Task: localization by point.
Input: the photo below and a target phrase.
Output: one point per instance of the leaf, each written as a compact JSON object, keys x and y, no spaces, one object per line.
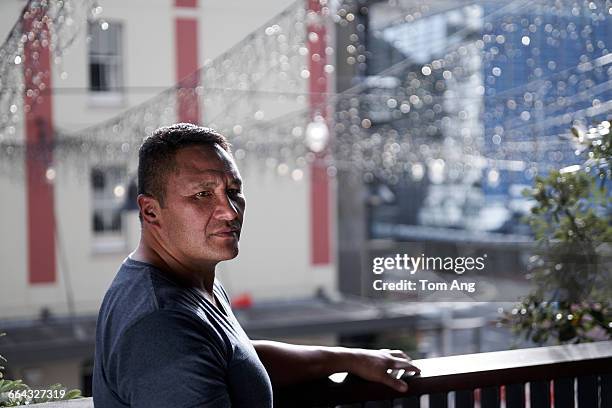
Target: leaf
{"x":72,"y":394}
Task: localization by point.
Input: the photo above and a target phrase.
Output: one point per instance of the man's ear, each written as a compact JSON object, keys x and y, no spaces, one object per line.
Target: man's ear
{"x":149,"y":208}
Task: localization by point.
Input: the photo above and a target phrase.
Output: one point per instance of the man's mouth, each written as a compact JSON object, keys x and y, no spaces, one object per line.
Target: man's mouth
{"x":228,"y":233}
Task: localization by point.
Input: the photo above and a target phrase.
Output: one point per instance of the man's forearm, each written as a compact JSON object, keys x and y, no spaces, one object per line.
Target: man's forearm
{"x":289,"y":363}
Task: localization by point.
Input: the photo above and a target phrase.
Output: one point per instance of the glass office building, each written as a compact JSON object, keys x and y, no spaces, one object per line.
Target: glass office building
{"x":482,"y":96}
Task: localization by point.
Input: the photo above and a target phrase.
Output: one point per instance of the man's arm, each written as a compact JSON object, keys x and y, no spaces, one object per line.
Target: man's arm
{"x":289,"y":363}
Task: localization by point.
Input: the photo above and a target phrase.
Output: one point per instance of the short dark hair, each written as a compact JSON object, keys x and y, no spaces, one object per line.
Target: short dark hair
{"x":156,"y":157}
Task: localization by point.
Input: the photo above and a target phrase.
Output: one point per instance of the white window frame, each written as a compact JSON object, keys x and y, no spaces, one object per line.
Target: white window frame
{"x":108,"y":241}
{"x":108,"y":52}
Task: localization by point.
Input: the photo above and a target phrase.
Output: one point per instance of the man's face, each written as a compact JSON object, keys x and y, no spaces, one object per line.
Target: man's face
{"x":204,"y":206}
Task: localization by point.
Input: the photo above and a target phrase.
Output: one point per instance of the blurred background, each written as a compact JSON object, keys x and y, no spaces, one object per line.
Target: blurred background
{"x":362,"y":129}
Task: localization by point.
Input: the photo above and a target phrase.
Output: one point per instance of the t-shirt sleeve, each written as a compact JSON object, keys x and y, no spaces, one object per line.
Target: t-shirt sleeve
{"x":169,"y":359}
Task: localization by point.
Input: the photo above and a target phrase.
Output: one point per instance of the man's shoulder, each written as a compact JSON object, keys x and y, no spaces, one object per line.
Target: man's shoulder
{"x":142,"y":293}
{"x":140,"y":288}
{"x":133,"y":295}
{"x":130,"y":295}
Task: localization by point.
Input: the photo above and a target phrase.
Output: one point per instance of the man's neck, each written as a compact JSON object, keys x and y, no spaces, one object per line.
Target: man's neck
{"x":202,"y":278}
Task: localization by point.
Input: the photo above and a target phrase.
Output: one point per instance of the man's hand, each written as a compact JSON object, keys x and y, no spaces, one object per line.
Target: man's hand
{"x":383,"y":366}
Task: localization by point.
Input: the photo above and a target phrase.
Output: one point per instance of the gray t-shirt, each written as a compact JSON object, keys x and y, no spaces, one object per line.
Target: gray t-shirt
{"x":160,"y":343}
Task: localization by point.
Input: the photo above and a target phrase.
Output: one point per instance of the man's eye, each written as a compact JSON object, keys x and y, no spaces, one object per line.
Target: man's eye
{"x":203,"y":194}
{"x":234,"y":191}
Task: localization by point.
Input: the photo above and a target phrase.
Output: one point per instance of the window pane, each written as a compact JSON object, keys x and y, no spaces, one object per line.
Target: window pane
{"x":105,"y":59}
{"x":95,"y":76}
{"x":108,"y":195}
{"x":97,"y":179}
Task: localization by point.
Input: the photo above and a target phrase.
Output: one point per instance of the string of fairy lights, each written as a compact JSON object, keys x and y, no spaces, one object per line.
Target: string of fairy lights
{"x":233,"y":89}
{"x":65,"y":21}
{"x":454,"y":90}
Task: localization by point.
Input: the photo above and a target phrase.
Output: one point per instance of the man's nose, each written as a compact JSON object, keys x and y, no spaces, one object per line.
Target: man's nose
{"x":226,"y":209}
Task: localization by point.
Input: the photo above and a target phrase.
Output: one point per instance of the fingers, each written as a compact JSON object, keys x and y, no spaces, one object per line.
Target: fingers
{"x":399,"y":353}
{"x":397,"y":363}
{"x":399,"y":360}
{"x":397,"y":374}
{"x":385,"y":366}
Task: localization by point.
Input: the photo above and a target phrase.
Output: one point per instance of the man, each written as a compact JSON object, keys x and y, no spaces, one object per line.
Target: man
{"x":166,"y":335}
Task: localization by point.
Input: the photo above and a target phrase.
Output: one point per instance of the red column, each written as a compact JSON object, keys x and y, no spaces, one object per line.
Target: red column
{"x":319,"y":183}
{"x":186,"y":35}
{"x":38,"y":109}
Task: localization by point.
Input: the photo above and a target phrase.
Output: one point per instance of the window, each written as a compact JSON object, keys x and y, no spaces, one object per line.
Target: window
{"x":105,"y":57}
{"x":108,"y":185}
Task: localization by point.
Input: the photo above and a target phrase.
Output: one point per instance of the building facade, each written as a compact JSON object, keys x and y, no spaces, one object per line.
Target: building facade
{"x":68,"y":215}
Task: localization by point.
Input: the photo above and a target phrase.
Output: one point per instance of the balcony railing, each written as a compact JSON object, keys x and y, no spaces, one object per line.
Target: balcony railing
{"x":560,"y":377}
{"x":570,"y":376}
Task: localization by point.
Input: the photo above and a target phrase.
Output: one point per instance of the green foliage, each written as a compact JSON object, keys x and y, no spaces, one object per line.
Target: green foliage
{"x":570,"y":268}
{"x":15,"y":392}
